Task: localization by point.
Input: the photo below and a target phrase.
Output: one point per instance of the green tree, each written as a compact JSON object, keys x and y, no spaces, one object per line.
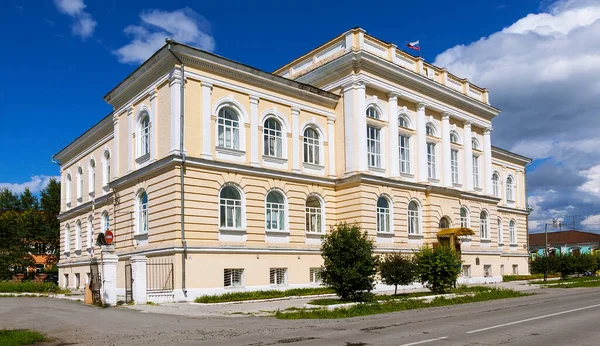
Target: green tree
{"x":438,"y":267}
{"x":398,"y":269}
{"x":538,"y":266}
{"x":349,"y":265}
{"x":15,"y":233}
{"x":50,"y":230}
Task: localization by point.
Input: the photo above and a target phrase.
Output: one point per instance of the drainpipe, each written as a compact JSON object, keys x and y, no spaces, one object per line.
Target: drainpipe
{"x":181,"y":166}
{"x":527,"y":208}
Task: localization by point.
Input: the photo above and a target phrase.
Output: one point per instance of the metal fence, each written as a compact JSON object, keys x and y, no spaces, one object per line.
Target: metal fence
{"x":159,"y":275}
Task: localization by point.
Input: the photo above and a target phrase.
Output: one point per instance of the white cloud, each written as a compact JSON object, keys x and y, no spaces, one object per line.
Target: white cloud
{"x":183,"y":25}
{"x":591,"y":222}
{"x":543,"y":71}
{"x":83,"y":22}
{"x":35,"y":185}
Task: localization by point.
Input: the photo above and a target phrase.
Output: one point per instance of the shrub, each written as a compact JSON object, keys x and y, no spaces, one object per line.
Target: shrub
{"x":397,"y":269}
{"x":349,"y":266}
{"x":437,"y":268}
{"x":28,"y":286}
{"x":538,"y":266}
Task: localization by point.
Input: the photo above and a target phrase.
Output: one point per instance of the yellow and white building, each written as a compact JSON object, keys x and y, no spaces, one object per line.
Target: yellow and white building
{"x":234,"y":174}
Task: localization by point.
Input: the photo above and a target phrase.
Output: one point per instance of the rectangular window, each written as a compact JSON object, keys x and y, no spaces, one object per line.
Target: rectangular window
{"x":77,"y":281}
{"x":229,"y":132}
{"x":311,"y":147}
{"x":278,"y":276}
{"x":315,"y":275}
{"x":272,"y":142}
{"x":431,"y":161}
{"x":66,"y":278}
{"x":454,"y":166}
{"x":475,"y":171}
{"x":502,"y":269}
{"x":231,"y":213}
{"x":515,"y":269}
{"x":404,"y":142}
{"x":487,"y":270}
{"x":233,"y":277}
{"x":466,"y":271}
{"x":374,"y":146}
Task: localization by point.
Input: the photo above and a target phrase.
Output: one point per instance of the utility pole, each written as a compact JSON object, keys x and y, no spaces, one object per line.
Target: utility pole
{"x":546,"y":254}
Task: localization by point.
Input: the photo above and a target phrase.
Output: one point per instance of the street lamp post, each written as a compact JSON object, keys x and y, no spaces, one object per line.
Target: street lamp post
{"x":555,"y":222}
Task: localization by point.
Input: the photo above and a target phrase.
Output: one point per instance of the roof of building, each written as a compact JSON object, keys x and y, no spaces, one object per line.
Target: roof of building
{"x":564,"y":237}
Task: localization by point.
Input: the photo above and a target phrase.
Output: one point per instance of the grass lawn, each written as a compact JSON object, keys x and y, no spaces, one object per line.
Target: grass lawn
{"x":397,"y":305}
{"x":508,"y":278}
{"x":270,"y":294}
{"x":584,"y":281}
{"x":19,"y":337}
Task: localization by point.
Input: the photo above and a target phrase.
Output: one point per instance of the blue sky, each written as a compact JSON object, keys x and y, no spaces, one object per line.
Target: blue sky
{"x":61,"y":57}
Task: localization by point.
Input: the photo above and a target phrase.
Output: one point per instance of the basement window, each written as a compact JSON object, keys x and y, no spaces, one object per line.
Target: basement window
{"x":233,"y":277}
{"x":278,"y":276}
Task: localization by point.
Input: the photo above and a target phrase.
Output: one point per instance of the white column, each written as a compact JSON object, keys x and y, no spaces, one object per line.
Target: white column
{"x":331,"y":143}
{"x":487,"y":161}
{"x":516,"y":189}
{"x":130,"y":138}
{"x":468,"y":149}
{"x":394,"y":163}
{"x":502,"y":185}
{"x":349,"y":129}
{"x":254,"y":135}
{"x":360,"y":118}
{"x":446,"y":165}
{"x":296,"y":140}
{"x":421,"y":143}
{"x":175,"y":87}
{"x":206,"y":130}
{"x":153,"y":127}
{"x":109,"y":277}
{"x":115,"y":152}
{"x":138,"y":274}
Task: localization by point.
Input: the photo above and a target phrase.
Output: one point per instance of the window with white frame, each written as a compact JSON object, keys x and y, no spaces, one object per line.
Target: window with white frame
{"x":484,"y":227}
{"x":466,"y":271}
{"x":275,"y":211}
{"x":79,"y":182}
{"x":233,"y":277}
{"x":500,"y":232}
{"x":373,"y":113}
{"x":464,"y":217}
{"x":77,"y":281}
{"x":475,"y":144}
{"x":509,"y":189}
{"x":106,"y":175}
{"x":374,"y":146}
{"x":515,"y":269}
{"x":67,"y":238}
{"x":228,"y":129}
{"x":383,"y":215}
{"x":429,"y":130}
{"x":512,"y":231}
{"x":414,"y":218}
{"x":314,"y":215}
{"x":495,"y":185}
{"x":105,"y":222}
{"x":78,"y":235}
{"x":454,"y":166}
{"x":142,"y":227}
{"x":144,"y":136}
{"x":487,"y":270}
{"x":315,"y":275}
{"x":272,"y":137}
{"x":311,"y":146}
{"x":92,"y":177}
{"x":68,"y":189}
{"x":431,"y":169}
{"x":404,"y":143}
{"x":90,"y":232}
{"x":475,"y":171}
{"x":453,"y":137}
{"x":278,"y":276}
{"x":230,"y":201}
{"x":403,"y":122}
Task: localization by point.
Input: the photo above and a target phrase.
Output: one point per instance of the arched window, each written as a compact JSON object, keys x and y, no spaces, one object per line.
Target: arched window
{"x":429,"y":130}
{"x":403,"y":122}
{"x":414,"y":218}
{"x":106,"y":175}
{"x":90,"y":232}
{"x":92,"y":176}
{"x":78,"y":235}
{"x":475,"y":144}
{"x":67,"y":238}
{"x":383,"y":215}
{"x":512,"y":230}
{"x":272,"y":138}
{"x":142,"y":211}
{"x":79,"y":182}
{"x":68,"y":189}
{"x":373,"y":112}
{"x":484,"y":227}
{"x":275,"y":211}
{"x":464,"y":217}
{"x":228,"y":128}
{"x":495,"y":186}
{"x":230,"y":201}
{"x":476,"y":171}
{"x":453,"y":137}
{"x":144,"y":136}
{"x":105,"y":222}
{"x":444,"y":222}
{"x":509,"y":189}
{"x":500,"y":232}
{"x":311,"y":146}
{"x":314,"y":215}
{"x":404,"y":147}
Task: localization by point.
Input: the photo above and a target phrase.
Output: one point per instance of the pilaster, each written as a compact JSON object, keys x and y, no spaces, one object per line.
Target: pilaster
{"x":153,"y":122}
{"x":115,"y":151}
{"x":421,"y":143}
{"x":331,"y":143}
{"x":446,"y":164}
{"x":206,"y":123}
{"x":131,"y":154}
{"x":254,"y":135}
{"x":487,"y":161}
{"x":175,"y":118}
{"x":394,"y":162}
{"x":468,"y":149}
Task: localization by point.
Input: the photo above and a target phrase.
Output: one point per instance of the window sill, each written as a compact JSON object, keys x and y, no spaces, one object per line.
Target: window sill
{"x":485,"y":240}
{"x":407,"y":175}
{"x":415,"y":236}
{"x":143,"y":158}
{"x":377,"y":169}
{"x":478,"y":189}
{"x":500,"y":244}
{"x":314,"y":234}
{"x":514,"y":245}
{"x":276,"y":231}
{"x":237,"y":230}
{"x":385,"y":234}
{"x":274,"y":159}
{"x":457,"y":185}
{"x":140,"y":238}
{"x":230,"y":151}
{"x":313,"y":166}
{"x":434,"y":180}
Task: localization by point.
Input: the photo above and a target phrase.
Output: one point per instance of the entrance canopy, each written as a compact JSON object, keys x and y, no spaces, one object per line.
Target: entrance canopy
{"x":459,"y":231}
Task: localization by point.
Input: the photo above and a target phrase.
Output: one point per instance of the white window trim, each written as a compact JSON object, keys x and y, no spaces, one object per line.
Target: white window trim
{"x":389,"y":214}
{"x":242,"y":208}
{"x":106,"y":168}
{"x":512,"y":233}
{"x":484,"y":226}
{"x":435,"y":156}
{"x":103,"y":224}
{"x":90,"y":232}
{"x":79,"y":183}
{"x":142,"y":156}
{"x":67,"y":238}
{"x":138,"y":213}
{"x":419,"y":231}
{"x":232,"y":103}
{"x":285,"y":228}
{"x":306,"y":214}
{"x":92,"y":176}
{"x":409,"y":161}
{"x":78,"y":235}
{"x":379,"y":163}
{"x":68,"y":187}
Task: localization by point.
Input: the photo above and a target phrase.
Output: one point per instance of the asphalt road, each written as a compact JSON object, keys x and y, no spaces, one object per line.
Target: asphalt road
{"x":553,"y":317}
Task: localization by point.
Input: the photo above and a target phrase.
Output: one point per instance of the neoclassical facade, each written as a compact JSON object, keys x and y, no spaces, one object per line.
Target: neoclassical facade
{"x":233,"y":174}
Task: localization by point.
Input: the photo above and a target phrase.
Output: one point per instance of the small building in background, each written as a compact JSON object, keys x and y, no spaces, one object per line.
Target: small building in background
{"x":564,"y":242}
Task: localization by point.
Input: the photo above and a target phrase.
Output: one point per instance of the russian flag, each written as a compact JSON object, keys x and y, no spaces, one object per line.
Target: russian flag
{"x":414,"y":45}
